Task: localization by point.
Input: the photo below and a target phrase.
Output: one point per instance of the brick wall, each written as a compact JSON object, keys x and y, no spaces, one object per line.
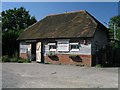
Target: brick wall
{"x":23,"y":55}
{"x":65,"y":59}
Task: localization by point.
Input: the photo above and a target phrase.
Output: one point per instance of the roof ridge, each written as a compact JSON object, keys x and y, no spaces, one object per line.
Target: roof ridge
{"x":94,"y":19}
{"x":67,"y":12}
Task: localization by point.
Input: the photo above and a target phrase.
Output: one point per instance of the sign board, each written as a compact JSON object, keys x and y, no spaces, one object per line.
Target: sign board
{"x":63,"y":45}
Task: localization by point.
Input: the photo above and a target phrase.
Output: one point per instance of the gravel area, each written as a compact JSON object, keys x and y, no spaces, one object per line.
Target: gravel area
{"x":35,"y":75}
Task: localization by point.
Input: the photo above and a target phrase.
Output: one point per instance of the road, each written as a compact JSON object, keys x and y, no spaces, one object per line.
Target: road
{"x":35,"y":75}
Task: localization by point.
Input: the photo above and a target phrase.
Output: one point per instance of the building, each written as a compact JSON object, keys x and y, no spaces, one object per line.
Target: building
{"x":67,"y":38}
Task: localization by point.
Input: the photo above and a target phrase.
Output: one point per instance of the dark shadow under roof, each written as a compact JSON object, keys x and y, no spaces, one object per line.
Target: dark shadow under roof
{"x":66,"y":25}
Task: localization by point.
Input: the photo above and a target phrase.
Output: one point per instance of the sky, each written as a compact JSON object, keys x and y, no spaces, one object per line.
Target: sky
{"x":102,"y":11}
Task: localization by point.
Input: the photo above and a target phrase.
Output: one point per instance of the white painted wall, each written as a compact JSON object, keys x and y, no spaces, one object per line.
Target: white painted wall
{"x":25,"y":48}
{"x":83,"y":49}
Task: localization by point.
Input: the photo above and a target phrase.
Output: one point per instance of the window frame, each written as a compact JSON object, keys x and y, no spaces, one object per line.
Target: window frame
{"x":74,"y":49}
{"x":52,"y":44}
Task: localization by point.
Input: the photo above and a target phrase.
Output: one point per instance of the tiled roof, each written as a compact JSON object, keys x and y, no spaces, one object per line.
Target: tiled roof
{"x":65,"y":25}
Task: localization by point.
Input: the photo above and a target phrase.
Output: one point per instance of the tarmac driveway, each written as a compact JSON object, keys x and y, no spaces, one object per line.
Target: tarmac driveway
{"x":35,"y":75}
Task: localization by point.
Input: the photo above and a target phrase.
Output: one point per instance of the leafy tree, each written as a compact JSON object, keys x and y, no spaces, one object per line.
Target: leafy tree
{"x":14,"y":21}
{"x":115,"y":21}
{"x":9,"y":44}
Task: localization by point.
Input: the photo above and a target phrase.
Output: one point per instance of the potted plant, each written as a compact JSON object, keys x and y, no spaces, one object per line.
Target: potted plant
{"x":75,"y":57}
{"x":52,"y":55}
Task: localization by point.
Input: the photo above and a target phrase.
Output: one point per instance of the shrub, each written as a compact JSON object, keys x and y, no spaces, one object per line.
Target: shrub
{"x":20,"y":61}
{"x":73,"y":55}
{"x":13,"y":59}
{"x":27,"y":60}
{"x":75,"y":58}
{"x":24,"y":61}
{"x":98,"y":65}
{"x":51,"y":54}
{"x":5,"y":58}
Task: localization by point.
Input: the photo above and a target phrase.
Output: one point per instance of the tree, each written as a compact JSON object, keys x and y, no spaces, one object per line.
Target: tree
{"x":115,"y":23}
{"x":9,"y":44}
{"x":14,"y":21}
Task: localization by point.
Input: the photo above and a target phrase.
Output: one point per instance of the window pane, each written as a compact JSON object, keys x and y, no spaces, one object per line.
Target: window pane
{"x":74,"y":46}
{"x":52,"y":47}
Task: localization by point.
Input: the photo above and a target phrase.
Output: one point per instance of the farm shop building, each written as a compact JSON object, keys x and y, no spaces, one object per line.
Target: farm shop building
{"x":68,"y":38}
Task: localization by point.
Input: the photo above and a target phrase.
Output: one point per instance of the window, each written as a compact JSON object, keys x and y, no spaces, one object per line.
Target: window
{"x":52,"y":46}
{"x":74,"y":46}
